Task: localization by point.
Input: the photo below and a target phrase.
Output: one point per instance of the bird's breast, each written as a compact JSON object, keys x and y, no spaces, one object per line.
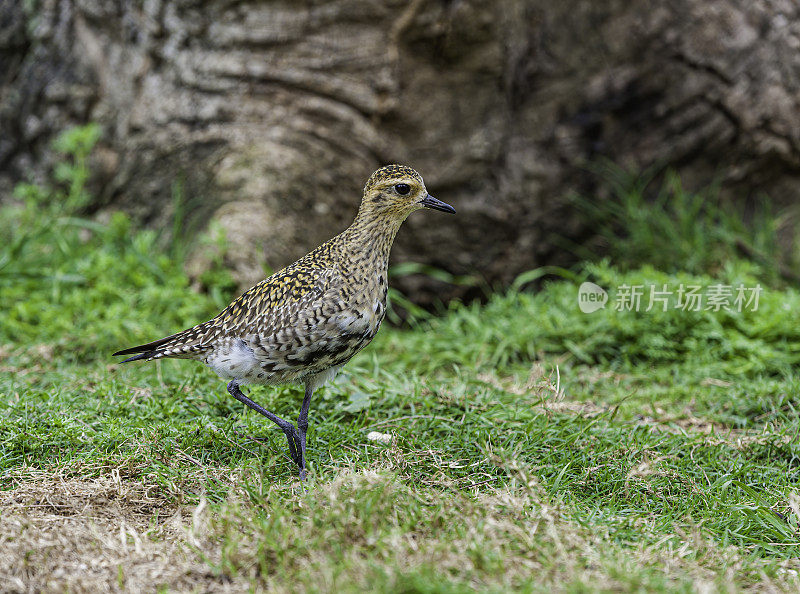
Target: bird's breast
{"x":362,"y":321}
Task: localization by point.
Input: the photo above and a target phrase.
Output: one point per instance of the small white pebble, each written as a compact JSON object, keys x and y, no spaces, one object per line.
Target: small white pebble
{"x":381,"y":437}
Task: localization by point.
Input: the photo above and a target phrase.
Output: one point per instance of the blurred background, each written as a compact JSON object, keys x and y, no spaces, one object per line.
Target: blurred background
{"x":551,"y":127}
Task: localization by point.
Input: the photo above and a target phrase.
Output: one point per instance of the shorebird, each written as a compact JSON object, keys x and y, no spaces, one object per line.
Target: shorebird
{"x":303,"y":323}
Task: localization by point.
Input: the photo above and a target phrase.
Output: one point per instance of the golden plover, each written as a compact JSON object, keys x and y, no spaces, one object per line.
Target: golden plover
{"x":303,"y":323}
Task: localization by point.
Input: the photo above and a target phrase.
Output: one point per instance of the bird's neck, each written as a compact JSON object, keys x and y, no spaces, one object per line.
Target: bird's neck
{"x":369,"y":239}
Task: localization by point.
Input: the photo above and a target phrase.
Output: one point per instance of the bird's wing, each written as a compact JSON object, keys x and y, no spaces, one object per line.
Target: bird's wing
{"x":288,"y":297}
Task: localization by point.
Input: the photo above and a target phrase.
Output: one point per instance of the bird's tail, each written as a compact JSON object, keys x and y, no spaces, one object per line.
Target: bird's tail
{"x":185,"y":344}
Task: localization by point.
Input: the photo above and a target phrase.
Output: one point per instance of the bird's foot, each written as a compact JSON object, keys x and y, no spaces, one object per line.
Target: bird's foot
{"x":302,"y":427}
{"x":258,"y":438}
{"x":296,"y":451}
{"x":301,"y":463}
{"x":296,"y":439}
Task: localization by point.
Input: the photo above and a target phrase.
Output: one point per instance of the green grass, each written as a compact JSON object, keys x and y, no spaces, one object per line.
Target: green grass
{"x":532,"y":446}
{"x":650,"y":217}
{"x":461,"y":413}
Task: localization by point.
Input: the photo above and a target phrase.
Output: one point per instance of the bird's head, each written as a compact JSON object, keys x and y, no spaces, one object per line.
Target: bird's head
{"x":396,"y":191}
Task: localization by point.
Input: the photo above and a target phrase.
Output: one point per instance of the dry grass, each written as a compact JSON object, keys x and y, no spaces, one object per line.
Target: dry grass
{"x":361,"y":530}
{"x":103,"y":535}
{"x":404,"y":524}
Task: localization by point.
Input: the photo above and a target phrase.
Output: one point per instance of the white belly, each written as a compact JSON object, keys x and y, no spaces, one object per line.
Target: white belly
{"x":235,"y":362}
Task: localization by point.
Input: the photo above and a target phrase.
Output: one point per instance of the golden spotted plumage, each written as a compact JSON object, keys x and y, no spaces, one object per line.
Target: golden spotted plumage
{"x":307,"y":320}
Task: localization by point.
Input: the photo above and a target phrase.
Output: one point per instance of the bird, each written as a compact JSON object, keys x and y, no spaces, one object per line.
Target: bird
{"x":303,"y":323}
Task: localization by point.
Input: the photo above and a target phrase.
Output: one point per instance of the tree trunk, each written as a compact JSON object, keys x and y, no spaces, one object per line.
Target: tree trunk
{"x":273,"y":114}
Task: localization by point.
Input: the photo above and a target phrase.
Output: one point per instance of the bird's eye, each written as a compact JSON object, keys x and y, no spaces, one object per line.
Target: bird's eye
{"x":402,"y":189}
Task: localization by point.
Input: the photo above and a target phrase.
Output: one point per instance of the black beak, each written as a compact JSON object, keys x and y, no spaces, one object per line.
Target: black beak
{"x":431,"y":202}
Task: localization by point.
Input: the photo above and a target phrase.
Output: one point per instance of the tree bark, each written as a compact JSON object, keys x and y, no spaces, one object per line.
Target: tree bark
{"x":273,"y":114}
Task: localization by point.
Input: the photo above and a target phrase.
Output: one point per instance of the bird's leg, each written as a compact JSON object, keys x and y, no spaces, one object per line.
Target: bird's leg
{"x":302,"y":426}
{"x":291,"y":433}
